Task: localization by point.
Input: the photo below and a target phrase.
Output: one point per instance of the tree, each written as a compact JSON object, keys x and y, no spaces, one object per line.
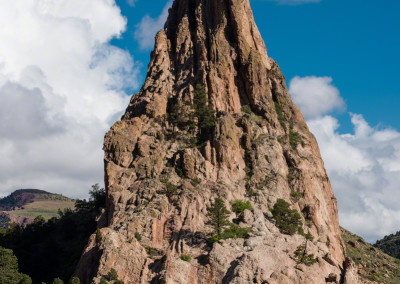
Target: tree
{"x":287,"y":220}
{"x":9,"y":269}
{"x":218,"y":215}
{"x":203,"y":110}
{"x":58,"y":281}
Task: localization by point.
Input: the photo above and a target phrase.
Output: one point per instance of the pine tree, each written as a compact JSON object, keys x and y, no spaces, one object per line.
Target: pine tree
{"x":203,"y":111}
{"x":218,"y":215}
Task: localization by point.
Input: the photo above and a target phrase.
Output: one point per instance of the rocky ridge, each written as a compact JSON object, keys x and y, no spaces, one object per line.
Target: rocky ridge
{"x":165,"y":165}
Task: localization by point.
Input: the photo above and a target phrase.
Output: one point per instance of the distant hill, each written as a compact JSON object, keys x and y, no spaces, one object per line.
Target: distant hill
{"x":374,"y":266}
{"x":390,"y":245}
{"x":24,"y":205}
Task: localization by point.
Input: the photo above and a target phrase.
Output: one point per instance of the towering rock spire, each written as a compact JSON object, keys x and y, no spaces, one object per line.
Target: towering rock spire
{"x":165,"y":163}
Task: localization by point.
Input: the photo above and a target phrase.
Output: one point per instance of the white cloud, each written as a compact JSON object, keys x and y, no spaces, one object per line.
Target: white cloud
{"x":131,"y":2}
{"x":148,"y":27}
{"x":315,"y":96}
{"x":363,"y":165}
{"x":294,"y":2}
{"x":61,"y":83}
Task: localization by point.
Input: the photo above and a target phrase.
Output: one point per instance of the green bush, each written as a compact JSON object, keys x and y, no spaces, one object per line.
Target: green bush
{"x":288,"y":221}
{"x":138,"y":237}
{"x":185,"y":257}
{"x":112,"y":275}
{"x":196,"y":182}
{"x":247,"y":109}
{"x":236,"y":232}
{"x":281,"y":116}
{"x":295,"y":139}
{"x":99,"y":236}
{"x":238,"y":206}
{"x":295,"y":195}
{"x":75,"y":280}
{"x":103,"y":281}
{"x":301,"y":256}
{"x":170,"y":189}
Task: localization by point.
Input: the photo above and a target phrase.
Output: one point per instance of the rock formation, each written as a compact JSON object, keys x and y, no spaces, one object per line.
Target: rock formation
{"x":164,"y":168}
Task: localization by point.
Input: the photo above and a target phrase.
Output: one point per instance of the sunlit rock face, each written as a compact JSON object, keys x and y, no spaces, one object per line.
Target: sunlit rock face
{"x":161,"y":176}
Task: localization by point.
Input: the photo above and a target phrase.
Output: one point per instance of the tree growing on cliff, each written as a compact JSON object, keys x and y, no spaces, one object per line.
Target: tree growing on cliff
{"x":287,"y":220}
{"x":218,"y":215}
{"x":203,"y":111}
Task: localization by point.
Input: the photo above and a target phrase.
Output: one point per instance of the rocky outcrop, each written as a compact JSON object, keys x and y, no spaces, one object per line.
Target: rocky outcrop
{"x":163,"y":170}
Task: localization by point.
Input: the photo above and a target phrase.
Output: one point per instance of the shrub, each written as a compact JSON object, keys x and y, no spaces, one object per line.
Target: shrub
{"x":170,"y":189}
{"x":103,"y":281}
{"x":99,"y":236}
{"x":58,"y":281}
{"x":295,"y":195}
{"x":185,"y":257}
{"x":236,"y":232}
{"x":75,"y":280}
{"x":281,"y":116}
{"x":112,"y":275}
{"x":247,"y":109}
{"x":196,"y":182}
{"x":294,"y":139}
{"x":301,"y":256}
{"x":138,"y":237}
{"x":238,"y":206}
{"x":288,"y":221}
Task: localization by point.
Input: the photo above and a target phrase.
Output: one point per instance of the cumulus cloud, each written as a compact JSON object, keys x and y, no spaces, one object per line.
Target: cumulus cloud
{"x":363,"y":165}
{"x":315,"y":96}
{"x":148,"y":27}
{"x":294,"y":2}
{"x":61,"y":85}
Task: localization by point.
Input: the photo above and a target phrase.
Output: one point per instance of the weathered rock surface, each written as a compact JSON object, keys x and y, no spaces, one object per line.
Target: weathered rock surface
{"x":260,"y":155}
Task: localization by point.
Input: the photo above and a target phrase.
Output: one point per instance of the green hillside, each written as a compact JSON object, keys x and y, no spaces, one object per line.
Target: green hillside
{"x":24,"y":205}
{"x":373,"y":264}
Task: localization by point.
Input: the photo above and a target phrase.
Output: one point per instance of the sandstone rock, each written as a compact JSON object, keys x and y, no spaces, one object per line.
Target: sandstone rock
{"x":153,"y":167}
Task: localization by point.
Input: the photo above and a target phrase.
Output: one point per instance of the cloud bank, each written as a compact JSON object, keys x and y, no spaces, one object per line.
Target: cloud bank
{"x":363,"y":166}
{"x":61,"y":83}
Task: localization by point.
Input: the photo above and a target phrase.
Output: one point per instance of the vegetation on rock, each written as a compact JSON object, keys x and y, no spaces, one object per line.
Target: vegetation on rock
{"x":374,"y":265}
{"x":287,"y":220}
{"x":223,"y":228}
{"x":238,"y":206}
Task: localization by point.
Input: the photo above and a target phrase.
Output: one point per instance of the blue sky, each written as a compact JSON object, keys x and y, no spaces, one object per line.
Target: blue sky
{"x":356,"y":42}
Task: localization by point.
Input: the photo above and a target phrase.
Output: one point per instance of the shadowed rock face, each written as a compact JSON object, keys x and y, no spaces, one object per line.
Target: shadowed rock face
{"x":261,"y":155}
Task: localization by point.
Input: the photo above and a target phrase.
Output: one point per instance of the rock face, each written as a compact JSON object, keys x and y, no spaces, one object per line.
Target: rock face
{"x":162,"y":173}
